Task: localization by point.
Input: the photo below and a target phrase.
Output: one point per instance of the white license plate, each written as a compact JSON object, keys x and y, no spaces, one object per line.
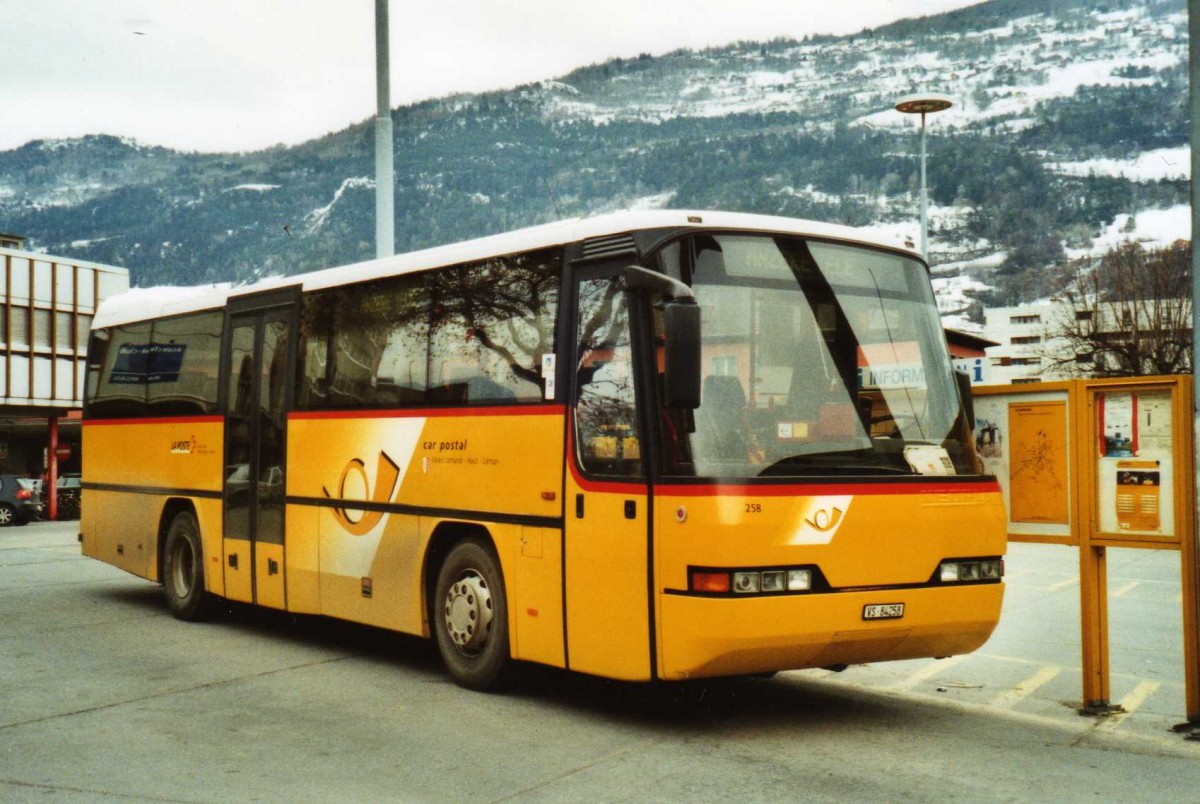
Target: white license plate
{"x":883,"y":611}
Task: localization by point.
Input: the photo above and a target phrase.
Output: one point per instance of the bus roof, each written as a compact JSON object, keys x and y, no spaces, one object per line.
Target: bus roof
{"x":142,"y":304}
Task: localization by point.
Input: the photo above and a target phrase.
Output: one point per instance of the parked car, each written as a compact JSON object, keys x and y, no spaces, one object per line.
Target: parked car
{"x":68,"y":492}
{"x":20,"y":500}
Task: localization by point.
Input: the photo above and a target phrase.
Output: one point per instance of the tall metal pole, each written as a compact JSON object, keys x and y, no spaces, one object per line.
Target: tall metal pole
{"x":385,"y":215}
{"x":923,"y":103}
{"x":924,"y":196}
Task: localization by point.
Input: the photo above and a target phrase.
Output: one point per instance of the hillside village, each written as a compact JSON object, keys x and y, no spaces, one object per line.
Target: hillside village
{"x":1038,"y":165}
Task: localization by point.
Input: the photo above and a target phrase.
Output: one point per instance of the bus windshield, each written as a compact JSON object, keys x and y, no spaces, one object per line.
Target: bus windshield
{"x":818,"y":359}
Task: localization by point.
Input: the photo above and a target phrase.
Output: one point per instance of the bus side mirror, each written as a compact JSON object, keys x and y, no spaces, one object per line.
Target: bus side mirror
{"x":968,"y":400}
{"x":681,"y":356}
{"x":681,"y":383}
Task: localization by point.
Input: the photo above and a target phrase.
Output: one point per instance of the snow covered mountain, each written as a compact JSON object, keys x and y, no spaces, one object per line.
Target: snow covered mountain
{"x":1069,"y":134}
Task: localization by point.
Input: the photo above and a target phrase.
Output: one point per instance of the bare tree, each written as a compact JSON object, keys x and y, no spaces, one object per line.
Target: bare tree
{"x":1127,"y":314}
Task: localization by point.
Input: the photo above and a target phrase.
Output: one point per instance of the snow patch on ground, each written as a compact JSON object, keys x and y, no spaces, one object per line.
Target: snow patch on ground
{"x":657,"y":201}
{"x":317,"y":218}
{"x":1156,"y":165}
{"x":986,"y":263}
{"x":1153,"y":228}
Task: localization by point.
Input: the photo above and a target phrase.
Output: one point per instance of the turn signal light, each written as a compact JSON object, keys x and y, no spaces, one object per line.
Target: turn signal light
{"x":710,"y":581}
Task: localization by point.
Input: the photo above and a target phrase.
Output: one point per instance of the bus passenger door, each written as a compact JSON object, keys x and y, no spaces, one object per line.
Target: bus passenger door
{"x":257,"y":365}
{"x":606,"y":544}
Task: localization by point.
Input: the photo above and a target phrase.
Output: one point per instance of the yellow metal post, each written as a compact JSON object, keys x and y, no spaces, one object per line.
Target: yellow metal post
{"x":1190,"y":572}
{"x":1093,"y":609}
{"x":1093,"y":560}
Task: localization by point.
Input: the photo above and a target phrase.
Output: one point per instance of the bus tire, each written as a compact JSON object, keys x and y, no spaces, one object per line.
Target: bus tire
{"x":183,"y":569}
{"x":470,"y":616}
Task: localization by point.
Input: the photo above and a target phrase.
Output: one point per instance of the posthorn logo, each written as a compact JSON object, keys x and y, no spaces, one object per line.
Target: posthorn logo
{"x":820,"y":519}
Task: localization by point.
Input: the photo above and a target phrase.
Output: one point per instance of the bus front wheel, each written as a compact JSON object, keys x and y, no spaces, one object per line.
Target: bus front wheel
{"x":470,"y":616}
{"x":183,"y":568}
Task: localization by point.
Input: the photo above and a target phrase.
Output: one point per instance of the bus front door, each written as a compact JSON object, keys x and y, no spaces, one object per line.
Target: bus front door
{"x":607,"y":550}
{"x":256,"y":363}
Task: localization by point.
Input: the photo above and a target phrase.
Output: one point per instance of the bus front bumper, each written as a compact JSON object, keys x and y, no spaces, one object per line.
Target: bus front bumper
{"x":722,"y":636}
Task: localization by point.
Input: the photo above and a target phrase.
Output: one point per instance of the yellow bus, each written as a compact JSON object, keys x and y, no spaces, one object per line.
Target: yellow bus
{"x":648,"y":445}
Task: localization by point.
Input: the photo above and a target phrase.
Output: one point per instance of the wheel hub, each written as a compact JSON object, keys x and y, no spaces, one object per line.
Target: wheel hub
{"x":468,"y":612}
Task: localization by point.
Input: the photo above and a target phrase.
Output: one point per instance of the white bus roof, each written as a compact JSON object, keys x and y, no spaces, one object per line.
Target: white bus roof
{"x":141,"y":304}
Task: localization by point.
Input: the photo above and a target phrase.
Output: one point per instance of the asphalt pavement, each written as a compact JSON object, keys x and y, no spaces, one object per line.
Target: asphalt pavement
{"x":105,"y":697}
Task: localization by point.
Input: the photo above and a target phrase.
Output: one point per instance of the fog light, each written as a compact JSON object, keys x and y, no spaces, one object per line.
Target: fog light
{"x":989,"y":569}
{"x":745,"y":582}
{"x":968,"y":571}
{"x":774,"y":581}
{"x":799,"y":580}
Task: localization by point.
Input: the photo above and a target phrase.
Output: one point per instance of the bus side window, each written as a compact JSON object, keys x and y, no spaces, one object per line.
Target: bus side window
{"x":121,"y":371}
{"x":495,"y":320}
{"x":183,"y":365}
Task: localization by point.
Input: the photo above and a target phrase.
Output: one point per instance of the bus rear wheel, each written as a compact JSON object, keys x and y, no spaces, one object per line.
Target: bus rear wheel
{"x":183,"y":569}
{"x":470,"y":616}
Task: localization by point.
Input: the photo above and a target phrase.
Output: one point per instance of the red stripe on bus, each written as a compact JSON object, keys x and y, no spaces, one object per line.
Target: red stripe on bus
{"x":163,"y":420}
{"x":431,"y":413}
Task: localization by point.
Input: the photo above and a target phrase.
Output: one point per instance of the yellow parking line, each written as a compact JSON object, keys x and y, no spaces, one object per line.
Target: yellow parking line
{"x":1133,"y":701}
{"x":1027,"y":687}
{"x":1054,"y":587}
{"x":1124,"y":590}
{"x":925,"y":673}
{"x":1130,"y":703}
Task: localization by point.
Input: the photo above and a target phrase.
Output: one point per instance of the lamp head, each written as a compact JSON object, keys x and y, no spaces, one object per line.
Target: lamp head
{"x":924,"y":103}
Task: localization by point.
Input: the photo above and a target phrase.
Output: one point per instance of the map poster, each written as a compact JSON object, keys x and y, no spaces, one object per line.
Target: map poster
{"x":1038,"y":460}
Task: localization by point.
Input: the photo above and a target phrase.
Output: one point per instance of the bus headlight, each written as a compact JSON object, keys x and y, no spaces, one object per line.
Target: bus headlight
{"x":988,"y":569}
{"x":746,"y":583}
{"x":799,"y":580}
{"x":774,"y":581}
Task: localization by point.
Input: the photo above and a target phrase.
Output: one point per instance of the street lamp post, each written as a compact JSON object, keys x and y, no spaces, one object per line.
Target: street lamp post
{"x":385,"y":215}
{"x":924,"y":103}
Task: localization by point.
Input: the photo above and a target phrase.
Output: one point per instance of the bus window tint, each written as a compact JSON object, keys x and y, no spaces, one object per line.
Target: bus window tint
{"x":379,"y":344}
{"x":120,"y":388}
{"x":316,"y":325}
{"x":97,"y":349}
{"x":461,"y":335}
{"x":491,"y":323}
{"x":182,"y":369}
{"x":606,"y":409}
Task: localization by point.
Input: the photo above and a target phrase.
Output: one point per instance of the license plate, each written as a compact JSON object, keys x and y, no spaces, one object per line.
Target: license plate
{"x":883,"y":611}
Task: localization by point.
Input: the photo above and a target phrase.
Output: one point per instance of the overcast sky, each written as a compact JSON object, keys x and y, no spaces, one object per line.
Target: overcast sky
{"x":239,"y":75}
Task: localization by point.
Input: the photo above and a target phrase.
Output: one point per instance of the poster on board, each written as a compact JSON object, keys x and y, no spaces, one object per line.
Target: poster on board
{"x":1134,"y":471}
{"x":1038,"y":472}
{"x":1024,"y":440}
